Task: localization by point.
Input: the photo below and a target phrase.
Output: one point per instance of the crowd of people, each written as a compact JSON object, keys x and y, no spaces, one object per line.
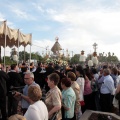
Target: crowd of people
{"x":55,"y":92}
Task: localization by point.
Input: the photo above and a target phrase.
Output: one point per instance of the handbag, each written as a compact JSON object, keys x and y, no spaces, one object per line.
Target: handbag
{"x":117,"y":96}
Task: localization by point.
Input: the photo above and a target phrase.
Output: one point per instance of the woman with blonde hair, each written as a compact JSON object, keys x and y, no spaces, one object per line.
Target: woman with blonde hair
{"x":37,"y":110}
{"x":16,"y":117}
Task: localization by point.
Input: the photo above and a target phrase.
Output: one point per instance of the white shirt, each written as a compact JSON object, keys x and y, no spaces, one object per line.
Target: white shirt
{"x":81,"y":83}
{"x":37,"y":111}
{"x":118,"y":80}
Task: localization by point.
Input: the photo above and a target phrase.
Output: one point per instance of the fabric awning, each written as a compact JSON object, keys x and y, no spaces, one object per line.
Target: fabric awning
{"x":13,"y":36}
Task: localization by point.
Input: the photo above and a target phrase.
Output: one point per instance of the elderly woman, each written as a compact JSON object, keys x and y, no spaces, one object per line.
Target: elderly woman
{"x":76,"y":89}
{"x":37,"y":110}
{"x":68,"y":99}
{"x":53,"y":97}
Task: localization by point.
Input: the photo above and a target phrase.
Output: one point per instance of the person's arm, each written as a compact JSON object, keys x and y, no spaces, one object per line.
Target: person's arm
{"x":56,"y":98}
{"x":22,"y":96}
{"x":66,"y":108}
{"x":67,"y":103}
{"x":54,"y":109}
{"x":118,"y":89}
{"x":26,"y":98}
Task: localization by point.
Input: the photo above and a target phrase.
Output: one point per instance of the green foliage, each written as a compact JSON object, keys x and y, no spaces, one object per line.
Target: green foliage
{"x":75,"y":59}
{"x":8,"y":61}
{"x":35,"y":56}
{"x":21,"y":56}
{"x":108,"y":57}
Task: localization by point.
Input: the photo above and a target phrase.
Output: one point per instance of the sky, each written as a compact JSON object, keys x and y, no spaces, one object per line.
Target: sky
{"x":77,"y":23}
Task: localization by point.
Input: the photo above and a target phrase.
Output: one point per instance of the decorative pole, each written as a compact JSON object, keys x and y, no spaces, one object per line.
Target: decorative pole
{"x":94,"y":58}
{"x":95,"y":47}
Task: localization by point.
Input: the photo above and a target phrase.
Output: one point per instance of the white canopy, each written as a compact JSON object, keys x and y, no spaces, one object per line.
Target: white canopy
{"x":13,"y":36}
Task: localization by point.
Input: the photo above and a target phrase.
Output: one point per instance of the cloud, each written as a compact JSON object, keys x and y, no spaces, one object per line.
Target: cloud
{"x":80,"y":29}
{"x":39,"y":7}
{"x":2,"y":17}
{"x":78,"y":24}
{"x":20,"y":13}
{"x":51,"y":11}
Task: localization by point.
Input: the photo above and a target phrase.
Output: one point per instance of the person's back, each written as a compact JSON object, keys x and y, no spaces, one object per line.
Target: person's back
{"x":37,"y":110}
{"x":15,"y":80}
{"x":40,"y":109}
{"x":3,"y":91}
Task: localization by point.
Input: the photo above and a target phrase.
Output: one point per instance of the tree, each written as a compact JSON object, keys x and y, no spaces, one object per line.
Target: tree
{"x":21,"y":56}
{"x":108,"y":57}
{"x":75,"y":59}
{"x":8,"y":61}
{"x":36,"y":56}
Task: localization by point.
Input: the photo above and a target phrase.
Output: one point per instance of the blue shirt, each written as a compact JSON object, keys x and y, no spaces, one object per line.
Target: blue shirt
{"x":26,"y":104}
{"x":68,"y":99}
{"x":107,"y":85}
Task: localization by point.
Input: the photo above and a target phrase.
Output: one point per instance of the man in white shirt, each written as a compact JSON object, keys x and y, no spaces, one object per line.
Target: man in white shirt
{"x":106,"y":90}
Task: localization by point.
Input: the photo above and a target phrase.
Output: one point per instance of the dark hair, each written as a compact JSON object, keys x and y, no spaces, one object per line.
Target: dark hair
{"x":105,"y":67}
{"x":13,"y":66}
{"x":115,"y":71}
{"x":80,"y":70}
{"x":94,"y":70}
{"x":57,"y":67}
{"x":66,"y":81}
{"x":54,"y":77}
{"x":39,"y":63}
{"x":89,"y":73}
{"x":24,"y":69}
{"x":71,"y":75}
{"x":23,"y":63}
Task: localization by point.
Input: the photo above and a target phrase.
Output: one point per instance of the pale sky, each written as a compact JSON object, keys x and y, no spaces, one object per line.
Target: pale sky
{"x":78,"y":23}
